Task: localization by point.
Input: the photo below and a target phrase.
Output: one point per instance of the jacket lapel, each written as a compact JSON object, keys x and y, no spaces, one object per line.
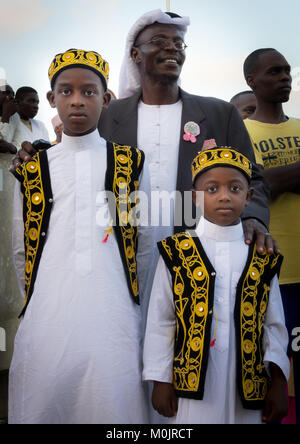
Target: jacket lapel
{"x":191,"y":112}
{"x":124,"y":125}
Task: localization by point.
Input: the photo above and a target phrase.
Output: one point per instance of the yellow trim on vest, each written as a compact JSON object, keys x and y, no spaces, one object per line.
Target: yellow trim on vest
{"x":124,"y":206}
{"x":188,"y":362}
{"x":254,"y":380}
{"x":35,"y":203}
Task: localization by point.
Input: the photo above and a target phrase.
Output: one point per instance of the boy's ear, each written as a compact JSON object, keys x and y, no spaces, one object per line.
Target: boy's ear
{"x":106,"y":99}
{"x":51,"y":100}
{"x":249,"y":196}
{"x":194,"y":197}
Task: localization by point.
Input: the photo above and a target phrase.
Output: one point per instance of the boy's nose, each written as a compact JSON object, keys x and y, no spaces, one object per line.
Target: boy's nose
{"x":77,"y":100}
{"x":224,"y":195}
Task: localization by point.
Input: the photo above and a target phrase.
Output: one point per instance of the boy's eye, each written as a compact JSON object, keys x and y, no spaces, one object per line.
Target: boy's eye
{"x":212,"y":189}
{"x":89,"y":92}
{"x":66,"y":92}
{"x":235,"y":188}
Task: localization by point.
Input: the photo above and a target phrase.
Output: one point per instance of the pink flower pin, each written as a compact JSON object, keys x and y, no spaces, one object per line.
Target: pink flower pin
{"x":191,"y":132}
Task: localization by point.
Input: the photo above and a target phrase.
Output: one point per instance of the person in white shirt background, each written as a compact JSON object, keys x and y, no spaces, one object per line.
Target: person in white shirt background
{"x":9,"y":119}
{"x":30,"y":129}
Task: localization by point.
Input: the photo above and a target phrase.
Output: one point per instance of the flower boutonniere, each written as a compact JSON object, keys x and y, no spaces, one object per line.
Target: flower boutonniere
{"x":191,"y":132}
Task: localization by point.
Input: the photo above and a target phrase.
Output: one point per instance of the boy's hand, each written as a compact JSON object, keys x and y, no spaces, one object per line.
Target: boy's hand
{"x":164,"y":399}
{"x":276,"y":403}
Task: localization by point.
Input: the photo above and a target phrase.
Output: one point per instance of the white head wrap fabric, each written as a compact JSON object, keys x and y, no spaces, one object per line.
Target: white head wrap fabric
{"x":130,"y":79}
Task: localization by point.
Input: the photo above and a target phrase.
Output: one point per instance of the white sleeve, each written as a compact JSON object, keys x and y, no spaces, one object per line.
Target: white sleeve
{"x":18,"y":239}
{"x":5,"y":131}
{"x":275,"y":333}
{"x":161,"y":328}
{"x":8,"y":130}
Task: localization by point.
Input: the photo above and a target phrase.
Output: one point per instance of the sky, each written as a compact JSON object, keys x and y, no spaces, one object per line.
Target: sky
{"x":222,"y":34}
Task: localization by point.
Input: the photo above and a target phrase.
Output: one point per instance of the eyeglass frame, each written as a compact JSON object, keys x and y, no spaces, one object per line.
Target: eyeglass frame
{"x":154,"y":39}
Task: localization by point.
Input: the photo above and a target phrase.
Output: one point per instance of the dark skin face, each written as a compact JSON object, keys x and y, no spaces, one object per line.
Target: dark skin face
{"x":160,"y":67}
{"x":271,"y":80}
{"x":79,"y":97}
{"x":246,"y":105}
{"x":155,"y":62}
{"x":6,"y":95}
{"x":7,"y":102}
{"x":226,"y":194}
{"x":28,"y":106}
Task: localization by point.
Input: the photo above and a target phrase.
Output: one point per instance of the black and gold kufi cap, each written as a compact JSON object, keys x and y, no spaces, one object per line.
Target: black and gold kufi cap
{"x":78,"y":58}
{"x":221,"y":157}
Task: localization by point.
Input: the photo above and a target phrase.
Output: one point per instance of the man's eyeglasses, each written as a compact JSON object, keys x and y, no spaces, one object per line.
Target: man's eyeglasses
{"x":163,"y":43}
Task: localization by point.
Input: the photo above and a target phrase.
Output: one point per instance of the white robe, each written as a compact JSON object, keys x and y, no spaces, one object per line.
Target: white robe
{"x":227,"y":251}
{"x":23,"y":133}
{"x":77,"y":355}
{"x":9,"y":130}
{"x":158,"y":136}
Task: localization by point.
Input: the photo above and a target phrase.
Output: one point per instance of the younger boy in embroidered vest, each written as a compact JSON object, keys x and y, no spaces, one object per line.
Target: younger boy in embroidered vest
{"x":216,"y":342}
{"x":77,"y":351}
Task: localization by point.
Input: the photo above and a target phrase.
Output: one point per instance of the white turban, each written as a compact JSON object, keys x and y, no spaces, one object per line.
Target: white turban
{"x":130,"y":79}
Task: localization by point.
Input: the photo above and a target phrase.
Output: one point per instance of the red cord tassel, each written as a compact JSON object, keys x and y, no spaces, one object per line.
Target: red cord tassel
{"x":106,"y":239}
{"x":110,"y":229}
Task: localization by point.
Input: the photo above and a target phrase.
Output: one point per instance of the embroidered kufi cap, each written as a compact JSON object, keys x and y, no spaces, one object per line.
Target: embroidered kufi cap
{"x":78,"y":58}
{"x":221,"y":157}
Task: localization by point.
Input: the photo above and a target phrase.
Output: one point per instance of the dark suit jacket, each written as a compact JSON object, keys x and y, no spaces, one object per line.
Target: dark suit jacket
{"x":218,"y":120}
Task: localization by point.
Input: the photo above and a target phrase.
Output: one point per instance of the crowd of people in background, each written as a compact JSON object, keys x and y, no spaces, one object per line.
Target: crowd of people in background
{"x":275,"y":146}
{"x":18,"y":123}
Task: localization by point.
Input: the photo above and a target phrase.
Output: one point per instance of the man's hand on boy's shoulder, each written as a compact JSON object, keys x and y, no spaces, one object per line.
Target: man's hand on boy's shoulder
{"x":6,"y":147}
{"x":255,"y":230}
{"x":276,"y":403}
{"x":24,"y":155}
{"x":164,"y":399}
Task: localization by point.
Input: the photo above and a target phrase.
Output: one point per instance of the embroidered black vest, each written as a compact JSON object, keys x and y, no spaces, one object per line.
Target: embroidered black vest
{"x":193,"y":280}
{"x":124,"y":166}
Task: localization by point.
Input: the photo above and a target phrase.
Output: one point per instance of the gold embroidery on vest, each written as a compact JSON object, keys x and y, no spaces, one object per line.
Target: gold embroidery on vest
{"x":252,"y":317}
{"x":167,"y":248}
{"x":191,"y":312}
{"x":125,"y":207}
{"x":35,"y":203}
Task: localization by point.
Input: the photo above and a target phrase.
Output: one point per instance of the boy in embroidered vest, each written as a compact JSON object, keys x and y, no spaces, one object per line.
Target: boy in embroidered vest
{"x":216,"y":342}
{"x":77,"y":351}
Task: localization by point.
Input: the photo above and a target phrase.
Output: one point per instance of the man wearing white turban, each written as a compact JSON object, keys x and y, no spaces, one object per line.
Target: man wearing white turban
{"x":153,"y":113}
